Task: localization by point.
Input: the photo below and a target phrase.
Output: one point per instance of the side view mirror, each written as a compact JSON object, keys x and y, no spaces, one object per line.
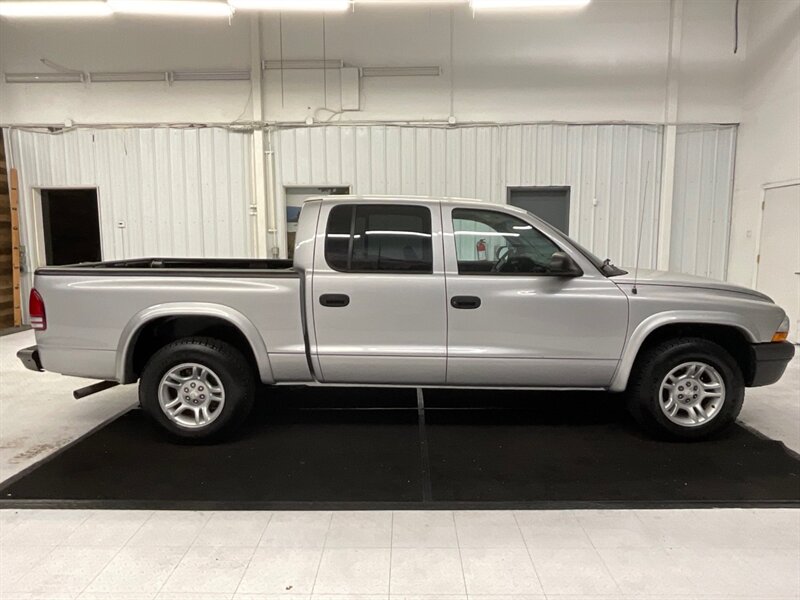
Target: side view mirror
{"x":562,"y":264}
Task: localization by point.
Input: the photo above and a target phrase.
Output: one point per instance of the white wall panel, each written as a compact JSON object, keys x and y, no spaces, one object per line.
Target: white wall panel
{"x":701,"y":209}
{"x":179,"y":192}
{"x":602,"y":162}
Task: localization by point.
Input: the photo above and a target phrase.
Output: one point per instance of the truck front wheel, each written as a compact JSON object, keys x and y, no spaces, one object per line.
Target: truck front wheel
{"x":685,"y":389}
{"x":197,"y":388}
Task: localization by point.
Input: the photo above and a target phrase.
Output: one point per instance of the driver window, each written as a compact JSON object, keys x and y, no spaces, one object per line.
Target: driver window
{"x":490,"y":242}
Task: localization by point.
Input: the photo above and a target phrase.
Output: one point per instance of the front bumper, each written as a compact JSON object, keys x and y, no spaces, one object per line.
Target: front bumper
{"x":769,"y":362}
{"x":30,"y":358}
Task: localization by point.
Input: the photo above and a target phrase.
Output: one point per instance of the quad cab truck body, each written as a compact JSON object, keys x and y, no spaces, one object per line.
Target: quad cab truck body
{"x":409,"y":292}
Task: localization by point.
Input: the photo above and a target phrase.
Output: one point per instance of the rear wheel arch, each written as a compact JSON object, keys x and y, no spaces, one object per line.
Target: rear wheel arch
{"x":153,"y":329}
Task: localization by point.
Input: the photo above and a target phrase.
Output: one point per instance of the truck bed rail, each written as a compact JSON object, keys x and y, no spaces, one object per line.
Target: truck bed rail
{"x":177,"y":267}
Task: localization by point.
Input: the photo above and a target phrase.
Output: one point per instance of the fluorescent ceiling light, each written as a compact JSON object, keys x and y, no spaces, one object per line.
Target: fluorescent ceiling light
{"x":233,"y":75}
{"x":54,"y":8}
{"x":400,"y":71}
{"x":524,"y":4}
{"x":275,"y":65}
{"x":177,"y":8}
{"x":132,"y":76}
{"x":411,"y":2}
{"x":44,"y":77}
{"x":292,"y":5}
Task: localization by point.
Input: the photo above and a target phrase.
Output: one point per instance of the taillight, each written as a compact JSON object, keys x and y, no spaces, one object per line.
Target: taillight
{"x":36,"y":311}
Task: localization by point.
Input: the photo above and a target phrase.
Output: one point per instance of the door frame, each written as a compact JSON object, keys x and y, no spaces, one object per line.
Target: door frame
{"x":759,"y":232}
{"x":37,"y":255}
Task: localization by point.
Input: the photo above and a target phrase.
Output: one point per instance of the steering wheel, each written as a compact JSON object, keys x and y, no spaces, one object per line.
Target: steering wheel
{"x":502,"y":259}
{"x":509,"y":263}
{"x":521,"y":264}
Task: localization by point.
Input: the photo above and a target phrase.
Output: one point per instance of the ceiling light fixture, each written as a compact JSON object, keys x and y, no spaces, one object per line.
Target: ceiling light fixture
{"x":44,"y":77}
{"x":525,"y":4}
{"x":292,"y":5}
{"x":233,"y":75}
{"x":400,"y":71}
{"x":172,"y":8}
{"x":290,"y":65}
{"x":410,"y":2}
{"x":58,"y":8}
{"x":108,"y":77}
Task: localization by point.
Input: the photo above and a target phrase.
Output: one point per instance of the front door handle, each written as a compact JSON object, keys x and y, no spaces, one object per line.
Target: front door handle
{"x":465,"y":302}
{"x":334,"y":300}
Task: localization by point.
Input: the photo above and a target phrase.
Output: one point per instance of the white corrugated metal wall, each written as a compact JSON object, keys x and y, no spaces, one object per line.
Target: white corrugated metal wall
{"x":602,"y":163}
{"x":178,"y":192}
{"x":186,"y":192}
{"x":701,"y":209}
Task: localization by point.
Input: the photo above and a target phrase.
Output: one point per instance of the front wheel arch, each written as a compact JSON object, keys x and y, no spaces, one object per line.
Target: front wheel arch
{"x":734,"y":338}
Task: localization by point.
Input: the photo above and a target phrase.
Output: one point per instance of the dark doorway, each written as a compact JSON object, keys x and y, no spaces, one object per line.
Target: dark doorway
{"x":551,"y":204}
{"x":71,"y":226}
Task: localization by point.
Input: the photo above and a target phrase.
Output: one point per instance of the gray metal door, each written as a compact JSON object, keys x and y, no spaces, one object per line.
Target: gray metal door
{"x":550,"y":204}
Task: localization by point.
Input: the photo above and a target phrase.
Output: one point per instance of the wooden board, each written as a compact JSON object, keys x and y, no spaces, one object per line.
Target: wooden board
{"x":9,"y":300}
{"x":15,"y":263}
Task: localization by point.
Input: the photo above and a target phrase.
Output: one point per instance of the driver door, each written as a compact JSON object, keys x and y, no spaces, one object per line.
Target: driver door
{"x":512,"y":322}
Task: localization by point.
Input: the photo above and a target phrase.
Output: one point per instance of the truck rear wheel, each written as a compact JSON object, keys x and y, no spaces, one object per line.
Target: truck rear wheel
{"x":685,"y":389}
{"x":198,"y":389}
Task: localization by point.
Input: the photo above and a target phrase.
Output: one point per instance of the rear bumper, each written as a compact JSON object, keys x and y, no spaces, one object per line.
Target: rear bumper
{"x":769,"y":362}
{"x":30,"y":358}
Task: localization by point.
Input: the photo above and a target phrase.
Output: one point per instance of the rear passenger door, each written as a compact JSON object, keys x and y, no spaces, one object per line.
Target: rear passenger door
{"x":378,"y":294}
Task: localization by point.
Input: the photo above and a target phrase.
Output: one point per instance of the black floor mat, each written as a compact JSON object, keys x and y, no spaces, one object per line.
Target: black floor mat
{"x":327,"y":448}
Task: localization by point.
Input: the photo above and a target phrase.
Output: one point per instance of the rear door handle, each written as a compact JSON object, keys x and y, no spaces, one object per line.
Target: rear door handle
{"x":465,"y":302}
{"x":334,"y":300}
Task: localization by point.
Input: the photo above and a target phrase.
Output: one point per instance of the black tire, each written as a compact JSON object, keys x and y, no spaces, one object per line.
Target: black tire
{"x":229,"y":366}
{"x":651,"y":368}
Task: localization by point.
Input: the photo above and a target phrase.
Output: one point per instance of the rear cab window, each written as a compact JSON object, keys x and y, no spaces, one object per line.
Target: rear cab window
{"x":379,"y":238}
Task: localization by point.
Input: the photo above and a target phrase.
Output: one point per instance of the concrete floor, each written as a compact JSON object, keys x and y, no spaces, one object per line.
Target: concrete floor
{"x":493,"y":555}
{"x":38,"y":414}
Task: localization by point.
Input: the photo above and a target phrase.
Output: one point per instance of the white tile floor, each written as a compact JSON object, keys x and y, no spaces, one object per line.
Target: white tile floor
{"x":715,"y":554}
{"x":442,"y":555}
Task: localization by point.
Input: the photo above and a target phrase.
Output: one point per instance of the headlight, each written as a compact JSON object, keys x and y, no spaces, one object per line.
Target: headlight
{"x":783,"y":331}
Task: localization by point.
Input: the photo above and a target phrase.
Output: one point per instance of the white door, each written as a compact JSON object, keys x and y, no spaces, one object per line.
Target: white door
{"x":779,"y":257}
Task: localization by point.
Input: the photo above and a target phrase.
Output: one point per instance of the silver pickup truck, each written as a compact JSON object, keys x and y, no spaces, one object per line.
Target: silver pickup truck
{"x":409,"y":292}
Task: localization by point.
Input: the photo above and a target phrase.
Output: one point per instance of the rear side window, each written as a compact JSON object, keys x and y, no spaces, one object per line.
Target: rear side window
{"x":379,"y":238}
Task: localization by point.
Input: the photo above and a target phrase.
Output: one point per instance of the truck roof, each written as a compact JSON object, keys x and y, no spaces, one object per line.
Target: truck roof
{"x":396,"y":197}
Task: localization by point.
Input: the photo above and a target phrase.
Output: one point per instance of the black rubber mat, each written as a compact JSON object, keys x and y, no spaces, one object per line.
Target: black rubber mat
{"x":331,"y":448}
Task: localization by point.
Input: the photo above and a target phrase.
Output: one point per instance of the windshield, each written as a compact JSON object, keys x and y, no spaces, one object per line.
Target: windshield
{"x":606,"y":267}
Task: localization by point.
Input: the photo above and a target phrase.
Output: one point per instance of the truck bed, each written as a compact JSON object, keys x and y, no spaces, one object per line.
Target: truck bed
{"x":201,"y":267}
{"x":94,"y":310}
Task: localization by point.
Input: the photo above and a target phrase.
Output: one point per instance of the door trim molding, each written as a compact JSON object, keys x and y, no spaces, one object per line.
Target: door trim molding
{"x":779,"y":184}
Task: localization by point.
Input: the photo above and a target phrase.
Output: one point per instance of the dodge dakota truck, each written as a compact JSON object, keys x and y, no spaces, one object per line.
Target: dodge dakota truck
{"x":409,"y":292}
